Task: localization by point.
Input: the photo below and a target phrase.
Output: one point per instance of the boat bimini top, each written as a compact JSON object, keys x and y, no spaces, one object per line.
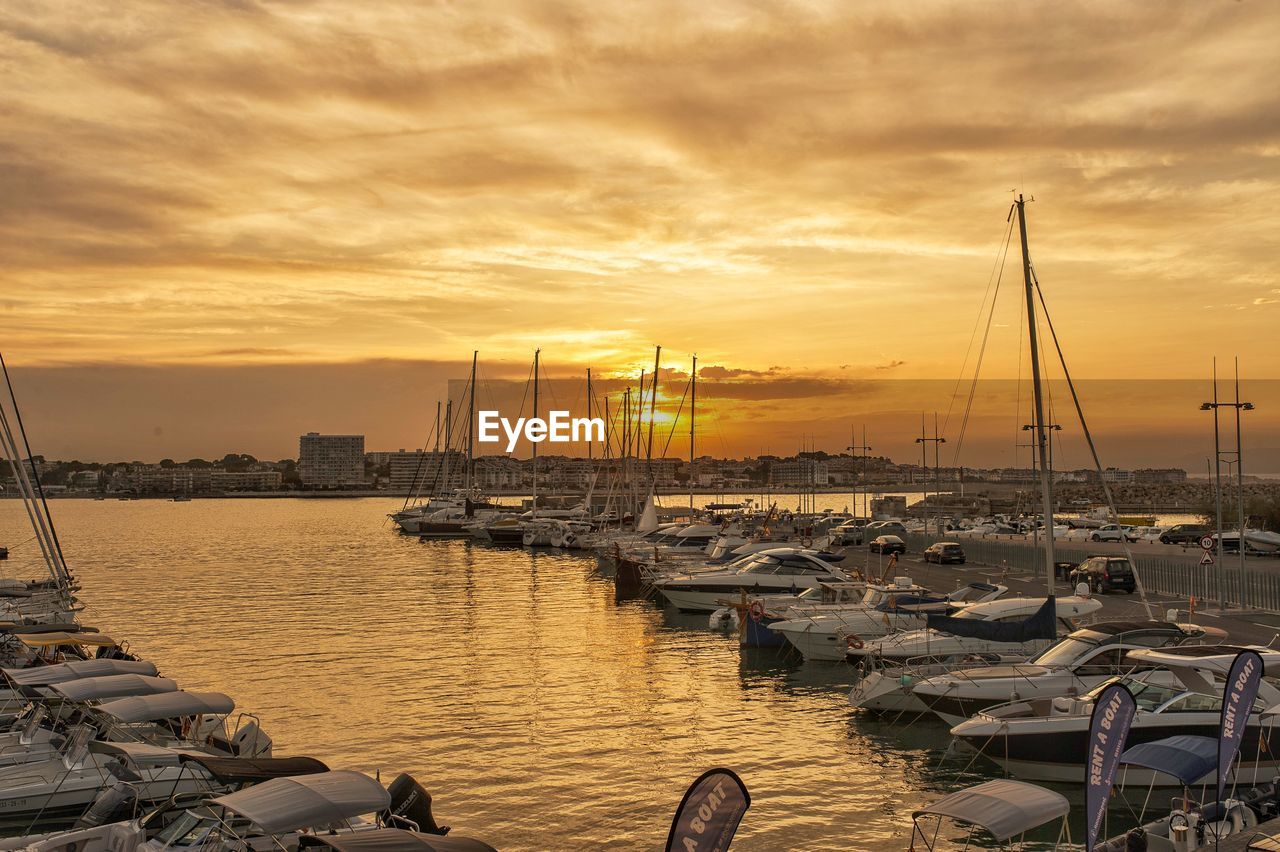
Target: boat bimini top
{"x":1186,"y":757}
{"x":63,"y":672}
{"x":58,"y":638}
{"x":1003,"y":808}
{"x":112,"y":686}
{"x":289,"y":804}
{"x":166,"y":705}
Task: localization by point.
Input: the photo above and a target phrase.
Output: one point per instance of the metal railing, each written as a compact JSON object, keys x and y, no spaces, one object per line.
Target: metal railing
{"x":1177,"y":574}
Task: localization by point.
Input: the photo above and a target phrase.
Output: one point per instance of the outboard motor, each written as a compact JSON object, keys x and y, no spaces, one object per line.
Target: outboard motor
{"x":116,"y":803}
{"x":410,"y":802}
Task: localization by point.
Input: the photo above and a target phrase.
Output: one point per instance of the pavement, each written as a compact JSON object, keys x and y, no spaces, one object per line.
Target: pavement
{"x":1257,"y":627}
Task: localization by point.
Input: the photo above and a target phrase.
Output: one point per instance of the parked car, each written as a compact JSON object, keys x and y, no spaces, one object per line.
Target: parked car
{"x":1105,"y":574}
{"x":943,"y":552}
{"x":1113,"y":532}
{"x":1151,"y":534}
{"x":1184,"y":534}
{"x":848,"y":533}
{"x":888,"y":544}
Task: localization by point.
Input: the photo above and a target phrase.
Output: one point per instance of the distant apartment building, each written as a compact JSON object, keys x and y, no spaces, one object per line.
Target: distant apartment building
{"x":1160,"y":476}
{"x":245,"y":480}
{"x":426,"y":473}
{"x":331,"y":461}
{"x":799,"y":472}
{"x":84,"y":478}
{"x":168,"y":480}
{"x":499,"y":473}
{"x":1117,"y":476}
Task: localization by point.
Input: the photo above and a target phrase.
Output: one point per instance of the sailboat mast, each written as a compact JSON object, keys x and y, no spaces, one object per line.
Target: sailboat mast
{"x":693,"y":419}
{"x":437,"y":449}
{"x":590,"y":452}
{"x":471,"y":420}
{"x":1041,"y":432}
{"x":653,"y":407}
{"x":448,"y":436}
{"x":536,"y":354}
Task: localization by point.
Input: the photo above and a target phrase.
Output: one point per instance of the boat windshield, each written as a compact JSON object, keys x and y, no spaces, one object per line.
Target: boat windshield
{"x":760,"y":564}
{"x":1063,"y":653}
{"x":1147,"y":695}
{"x":972,"y":616}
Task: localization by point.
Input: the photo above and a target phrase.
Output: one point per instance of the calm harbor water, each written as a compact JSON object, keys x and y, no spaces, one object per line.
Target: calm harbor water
{"x":538,"y":712}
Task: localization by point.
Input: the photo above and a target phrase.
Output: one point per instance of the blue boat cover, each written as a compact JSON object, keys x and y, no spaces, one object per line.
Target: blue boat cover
{"x":1186,"y":757}
{"x":1043,"y":624}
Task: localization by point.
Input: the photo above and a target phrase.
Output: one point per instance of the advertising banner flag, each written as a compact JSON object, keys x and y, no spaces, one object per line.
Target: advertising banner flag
{"x":709,"y":813}
{"x":1237,"y":704}
{"x":1113,"y":713}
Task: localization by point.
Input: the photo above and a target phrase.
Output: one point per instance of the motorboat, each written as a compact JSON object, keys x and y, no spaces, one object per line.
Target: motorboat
{"x":1190,"y":825}
{"x":1072,"y":665}
{"x":24,"y":679}
{"x":338,"y":809}
{"x":1002,"y":809}
{"x":893,"y":665}
{"x":934,"y":642}
{"x":114,"y":823}
{"x":885,"y":608}
{"x":753,"y":615}
{"x":1177,"y":691}
{"x":34,"y":736}
{"x":780,"y":570}
{"x":151,"y":730}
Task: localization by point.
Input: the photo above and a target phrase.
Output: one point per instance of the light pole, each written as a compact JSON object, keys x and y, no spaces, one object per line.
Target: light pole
{"x":937,"y":477}
{"x":1217,"y":463}
{"x":860,"y":451}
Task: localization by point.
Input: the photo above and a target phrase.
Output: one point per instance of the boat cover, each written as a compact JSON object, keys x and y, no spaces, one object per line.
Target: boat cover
{"x":113,"y":686}
{"x":168,"y":705}
{"x":63,"y":672}
{"x":393,"y":840}
{"x":1043,"y":624}
{"x":53,"y":639}
{"x":251,"y":770}
{"x":47,"y":627}
{"x":289,"y":804}
{"x":1003,"y":807}
{"x":1186,"y":757}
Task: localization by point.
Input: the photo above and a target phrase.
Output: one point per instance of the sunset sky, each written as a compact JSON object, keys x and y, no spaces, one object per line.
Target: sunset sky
{"x":226,"y":223}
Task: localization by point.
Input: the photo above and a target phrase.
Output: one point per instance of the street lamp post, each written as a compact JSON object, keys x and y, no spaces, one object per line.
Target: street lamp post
{"x":860,"y":451}
{"x":1217,"y":463}
{"x":936,"y":440}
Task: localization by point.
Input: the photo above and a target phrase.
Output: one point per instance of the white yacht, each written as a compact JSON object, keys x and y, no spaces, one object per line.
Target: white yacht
{"x":903,"y":605}
{"x":780,"y":570}
{"x":892,"y":665}
{"x":1072,"y":666}
{"x":1178,"y":691}
{"x":928,"y":642}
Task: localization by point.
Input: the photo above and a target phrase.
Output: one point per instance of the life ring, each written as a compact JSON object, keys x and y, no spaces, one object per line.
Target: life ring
{"x":853,"y":642}
{"x":757,"y":610}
